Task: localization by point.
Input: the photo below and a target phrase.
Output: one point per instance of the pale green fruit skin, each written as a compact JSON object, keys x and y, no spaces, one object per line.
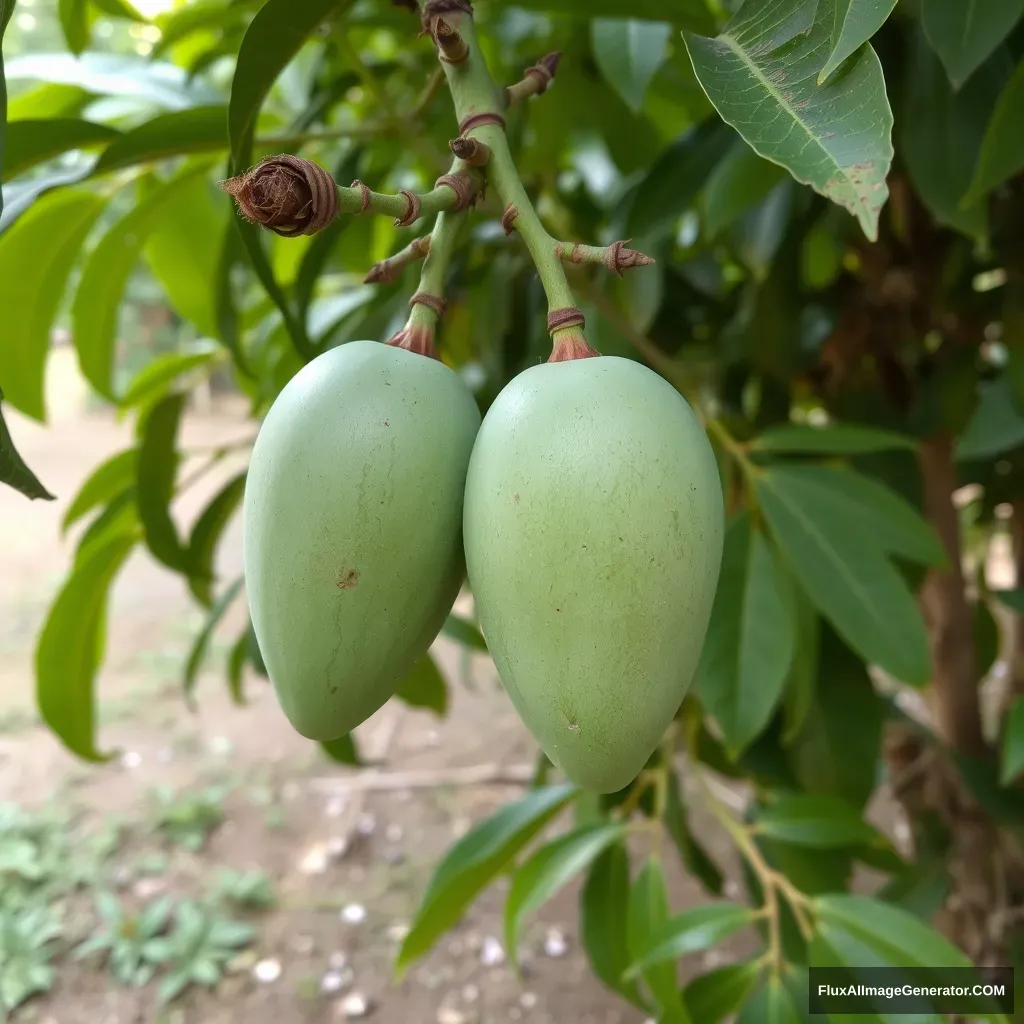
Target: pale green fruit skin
{"x":353,"y":528}
{"x":593,"y":529}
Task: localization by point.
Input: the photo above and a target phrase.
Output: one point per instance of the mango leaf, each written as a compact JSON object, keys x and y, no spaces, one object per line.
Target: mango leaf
{"x":110,"y":478}
{"x":120,"y":9}
{"x":691,"y":931}
{"x":18,"y":196}
{"x":153,"y":380}
{"x":741,"y":180}
{"x":854,"y":22}
{"x":118,"y":518}
{"x":772,"y":1004}
{"x":629,"y":54}
{"x":48,"y":100}
{"x":273,"y":37}
{"x":822,"y":822}
{"x":475,"y":861}
{"x":75,"y":22}
{"x":236,"y":667}
{"x":996,"y":426}
{"x":105,"y":275}
{"x":463,"y":632}
{"x":760,"y":74}
{"x":1002,"y":149}
{"x":965,"y":34}
{"x":695,"y":858}
{"x":196,"y":130}
{"x":154,"y":481}
{"x":550,"y":868}
{"x":648,"y":916}
{"x":835,"y":439}
{"x":803,"y":675}
{"x":749,"y":646}
{"x":721,"y":992}
{"x":1013,"y":743}
{"x":32,"y":142}
{"x":691,"y":13}
{"x":37,"y":254}
{"x":202,"y":641}
{"x":424,"y":687}
{"x":604,"y":906}
{"x":207,"y":531}
{"x":70,"y":648}
{"x":13,"y":471}
{"x":844,"y":570}
{"x":343,"y":750}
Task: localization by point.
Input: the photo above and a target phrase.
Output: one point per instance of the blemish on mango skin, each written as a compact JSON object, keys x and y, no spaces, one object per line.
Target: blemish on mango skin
{"x":347,"y":579}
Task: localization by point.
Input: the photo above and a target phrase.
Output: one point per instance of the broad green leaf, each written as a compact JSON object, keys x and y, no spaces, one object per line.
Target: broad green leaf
{"x":94,"y":314}
{"x":629,"y":53}
{"x":770,"y":1005}
{"x":835,"y":439}
{"x":206,"y":533}
{"x":475,"y":861}
{"x":760,"y":75}
{"x":37,"y":254}
{"x":463,"y":632}
{"x":13,"y":471}
{"x":691,"y":13}
{"x":70,"y":646}
{"x":965,"y":34}
{"x":424,"y":687}
{"x":183,"y":251}
{"x":236,"y":667}
{"x":35,"y":141}
{"x":943,"y":131}
{"x":18,"y":196}
{"x":803,"y":676}
{"x":120,"y":9}
{"x":1013,"y":743}
{"x":695,"y":858}
{"x":48,"y":100}
{"x":154,"y":481}
{"x":550,"y":868}
{"x":119,"y":518}
{"x":75,"y":22}
{"x":854,"y":22}
{"x":721,"y":992}
{"x":996,"y":427}
{"x":741,"y":180}
{"x":1002,"y":149}
{"x":103,"y":484}
{"x":343,"y":750}
{"x":691,"y":931}
{"x":202,"y":641}
{"x":823,"y":822}
{"x":846,"y":573}
{"x":153,"y":380}
{"x":196,"y":130}
{"x":272,"y":39}
{"x":648,"y":917}
{"x":604,"y":908}
{"x":749,"y":646}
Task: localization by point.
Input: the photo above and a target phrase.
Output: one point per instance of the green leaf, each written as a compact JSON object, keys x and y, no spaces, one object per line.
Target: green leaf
{"x":693,"y":931}
{"x":274,"y":36}
{"x":109,"y":479}
{"x":343,"y":750}
{"x":996,"y":426}
{"x":120,"y":517}
{"x":70,"y":648}
{"x":202,"y":640}
{"x":463,"y":632}
{"x":154,"y":481}
{"x":206,"y":533}
{"x":770,"y":1005}
{"x":749,"y":646}
{"x":691,"y":13}
{"x":97,"y":302}
{"x":475,"y":861}
{"x":803,"y":676}
{"x":965,"y":34}
{"x":13,"y":471}
{"x":153,"y":380}
{"x":835,"y":439}
{"x":845,"y":571}
{"x":760,"y":75}
{"x":1013,"y":743}
{"x":120,"y":9}
{"x":424,"y":687}
{"x":75,"y":23}
{"x":1002,"y":149}
{"x":721,"y":992}
{"x":822,"y":822}
{"x":32,"y":142}
{"x":648,"y":916}
{"x":1013,"y":599}
{"x":629,"y":54}
{"x":854,"y":22}
{"x":741,"y":180}
{"x":236,"y":667}
{"x":201,"y":129}
{"x":550,"y":868}
{"x":37,"y":254}
{"x":695,"y":858}
{"x":604,"y":906}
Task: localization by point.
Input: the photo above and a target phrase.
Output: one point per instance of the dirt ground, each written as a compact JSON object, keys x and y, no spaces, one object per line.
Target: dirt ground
{"x":348,"y":864}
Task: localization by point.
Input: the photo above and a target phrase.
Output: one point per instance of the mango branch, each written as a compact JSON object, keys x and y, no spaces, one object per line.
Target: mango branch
{"x":535,"y":80}
{"x":385,"y":271}
{"x":615,"y":257}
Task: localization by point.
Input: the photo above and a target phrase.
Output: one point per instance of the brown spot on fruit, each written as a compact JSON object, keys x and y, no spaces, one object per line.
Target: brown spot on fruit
{"x":515,"y":498}
{"x":347,"y":579}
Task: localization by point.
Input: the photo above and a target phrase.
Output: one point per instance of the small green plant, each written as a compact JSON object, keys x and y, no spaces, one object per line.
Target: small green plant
{"x":26,"y":937}
{"x":202,"y":942}
{"x":250,"y":890}
{"x":189,"y":819}
{"x":125,"y":938}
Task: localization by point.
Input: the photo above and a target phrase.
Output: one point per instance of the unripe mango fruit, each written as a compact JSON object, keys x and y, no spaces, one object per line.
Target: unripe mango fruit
{"x":353,"y":528}
{"x":593,"y":530}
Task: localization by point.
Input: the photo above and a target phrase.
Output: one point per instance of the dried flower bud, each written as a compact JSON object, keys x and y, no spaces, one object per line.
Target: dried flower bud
{"x":287,"y":194}
{"x":474,"y":153}
{"x":618,"y":257}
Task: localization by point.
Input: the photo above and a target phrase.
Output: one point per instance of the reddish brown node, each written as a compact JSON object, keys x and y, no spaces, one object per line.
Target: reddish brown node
{"x":418,"y":339}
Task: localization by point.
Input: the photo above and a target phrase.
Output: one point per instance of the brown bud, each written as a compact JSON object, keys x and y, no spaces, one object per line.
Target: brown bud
{"x":618,"y":258}
{"x":380,"y":273}
{"x":544,"y":70}
{"x":474,"y":153}
{"x":416,"y":339}
{"x":453,"y":47}
{"x":286,"y":194}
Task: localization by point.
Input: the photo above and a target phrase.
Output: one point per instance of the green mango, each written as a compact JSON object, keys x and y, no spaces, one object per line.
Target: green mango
{"x":593,"y":528}
{"x":353,"y":528}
